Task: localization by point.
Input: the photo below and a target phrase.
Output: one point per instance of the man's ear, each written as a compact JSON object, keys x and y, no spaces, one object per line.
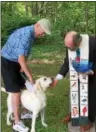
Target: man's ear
{"x":77,"y":38}
{"x":64,"y":33}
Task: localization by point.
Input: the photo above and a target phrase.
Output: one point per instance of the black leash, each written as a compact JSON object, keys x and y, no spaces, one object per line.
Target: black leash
{"x":24,"y":76}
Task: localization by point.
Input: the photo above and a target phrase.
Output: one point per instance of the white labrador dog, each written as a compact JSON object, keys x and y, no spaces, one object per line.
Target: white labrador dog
{"x":33,"y":101}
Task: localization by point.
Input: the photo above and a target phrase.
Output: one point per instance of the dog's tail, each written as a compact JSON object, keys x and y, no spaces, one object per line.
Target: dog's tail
{"x":3,"y":90}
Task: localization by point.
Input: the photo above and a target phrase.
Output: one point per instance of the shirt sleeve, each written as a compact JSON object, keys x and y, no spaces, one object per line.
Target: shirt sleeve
{"x":65,"y":67}
{"x":59,"y":77}
{"x":94,"y":56}
{"x":22,"y":52}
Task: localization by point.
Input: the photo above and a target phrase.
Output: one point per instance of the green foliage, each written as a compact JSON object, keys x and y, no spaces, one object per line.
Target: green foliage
{"x":11,"y":23}
{"x":55,"y":51}
{"x":64,"y":16}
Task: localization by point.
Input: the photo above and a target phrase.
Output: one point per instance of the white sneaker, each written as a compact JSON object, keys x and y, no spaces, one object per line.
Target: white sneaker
{"x":20,"y":127}
{"x":27,"y":115}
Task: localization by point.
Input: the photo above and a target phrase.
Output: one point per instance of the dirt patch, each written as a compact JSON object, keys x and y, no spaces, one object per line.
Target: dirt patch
{"x":45,"y":61}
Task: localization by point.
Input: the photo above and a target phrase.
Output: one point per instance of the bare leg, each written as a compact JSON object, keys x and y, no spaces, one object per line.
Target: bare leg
{"x":15,"y":106}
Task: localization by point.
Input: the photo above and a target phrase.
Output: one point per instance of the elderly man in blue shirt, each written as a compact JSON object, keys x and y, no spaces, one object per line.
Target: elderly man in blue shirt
{"x":13,"y":59}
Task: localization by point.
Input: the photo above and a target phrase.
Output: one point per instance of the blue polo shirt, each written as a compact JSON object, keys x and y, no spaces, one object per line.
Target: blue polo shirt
{"x":19,"y":43}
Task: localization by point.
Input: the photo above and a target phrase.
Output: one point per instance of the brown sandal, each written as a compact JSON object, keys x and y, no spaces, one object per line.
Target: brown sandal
{"x":67,"y":118}
{"x":86,"y":127}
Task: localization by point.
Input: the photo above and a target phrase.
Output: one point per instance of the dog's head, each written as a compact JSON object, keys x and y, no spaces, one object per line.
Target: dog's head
{"x":43,"y":83}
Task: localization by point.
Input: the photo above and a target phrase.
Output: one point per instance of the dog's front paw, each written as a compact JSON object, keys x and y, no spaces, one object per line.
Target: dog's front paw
{"x":8,"y":123}
{"x":44,"y":124}
{"x":32,"y":131}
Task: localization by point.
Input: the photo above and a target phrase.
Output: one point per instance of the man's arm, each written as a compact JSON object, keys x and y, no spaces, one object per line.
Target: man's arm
{"x":23,"y":64}
{"x":64,"y":68}
{"x":63,"y":71}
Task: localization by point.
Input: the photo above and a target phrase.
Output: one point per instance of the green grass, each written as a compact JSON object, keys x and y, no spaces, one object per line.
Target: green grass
{"x":57,"y":102}
{"x":53,"y":51}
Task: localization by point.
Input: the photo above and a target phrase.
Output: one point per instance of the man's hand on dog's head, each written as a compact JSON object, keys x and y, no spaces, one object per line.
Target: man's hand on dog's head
{"x":31,"y":80}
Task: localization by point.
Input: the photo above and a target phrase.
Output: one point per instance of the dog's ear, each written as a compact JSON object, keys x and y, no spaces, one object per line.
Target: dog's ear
{"x":37,"y":84}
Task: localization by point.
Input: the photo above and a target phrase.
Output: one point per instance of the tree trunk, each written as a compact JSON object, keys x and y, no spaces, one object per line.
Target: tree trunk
{"x":26,"y":8}
{"x":86,"y":16}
